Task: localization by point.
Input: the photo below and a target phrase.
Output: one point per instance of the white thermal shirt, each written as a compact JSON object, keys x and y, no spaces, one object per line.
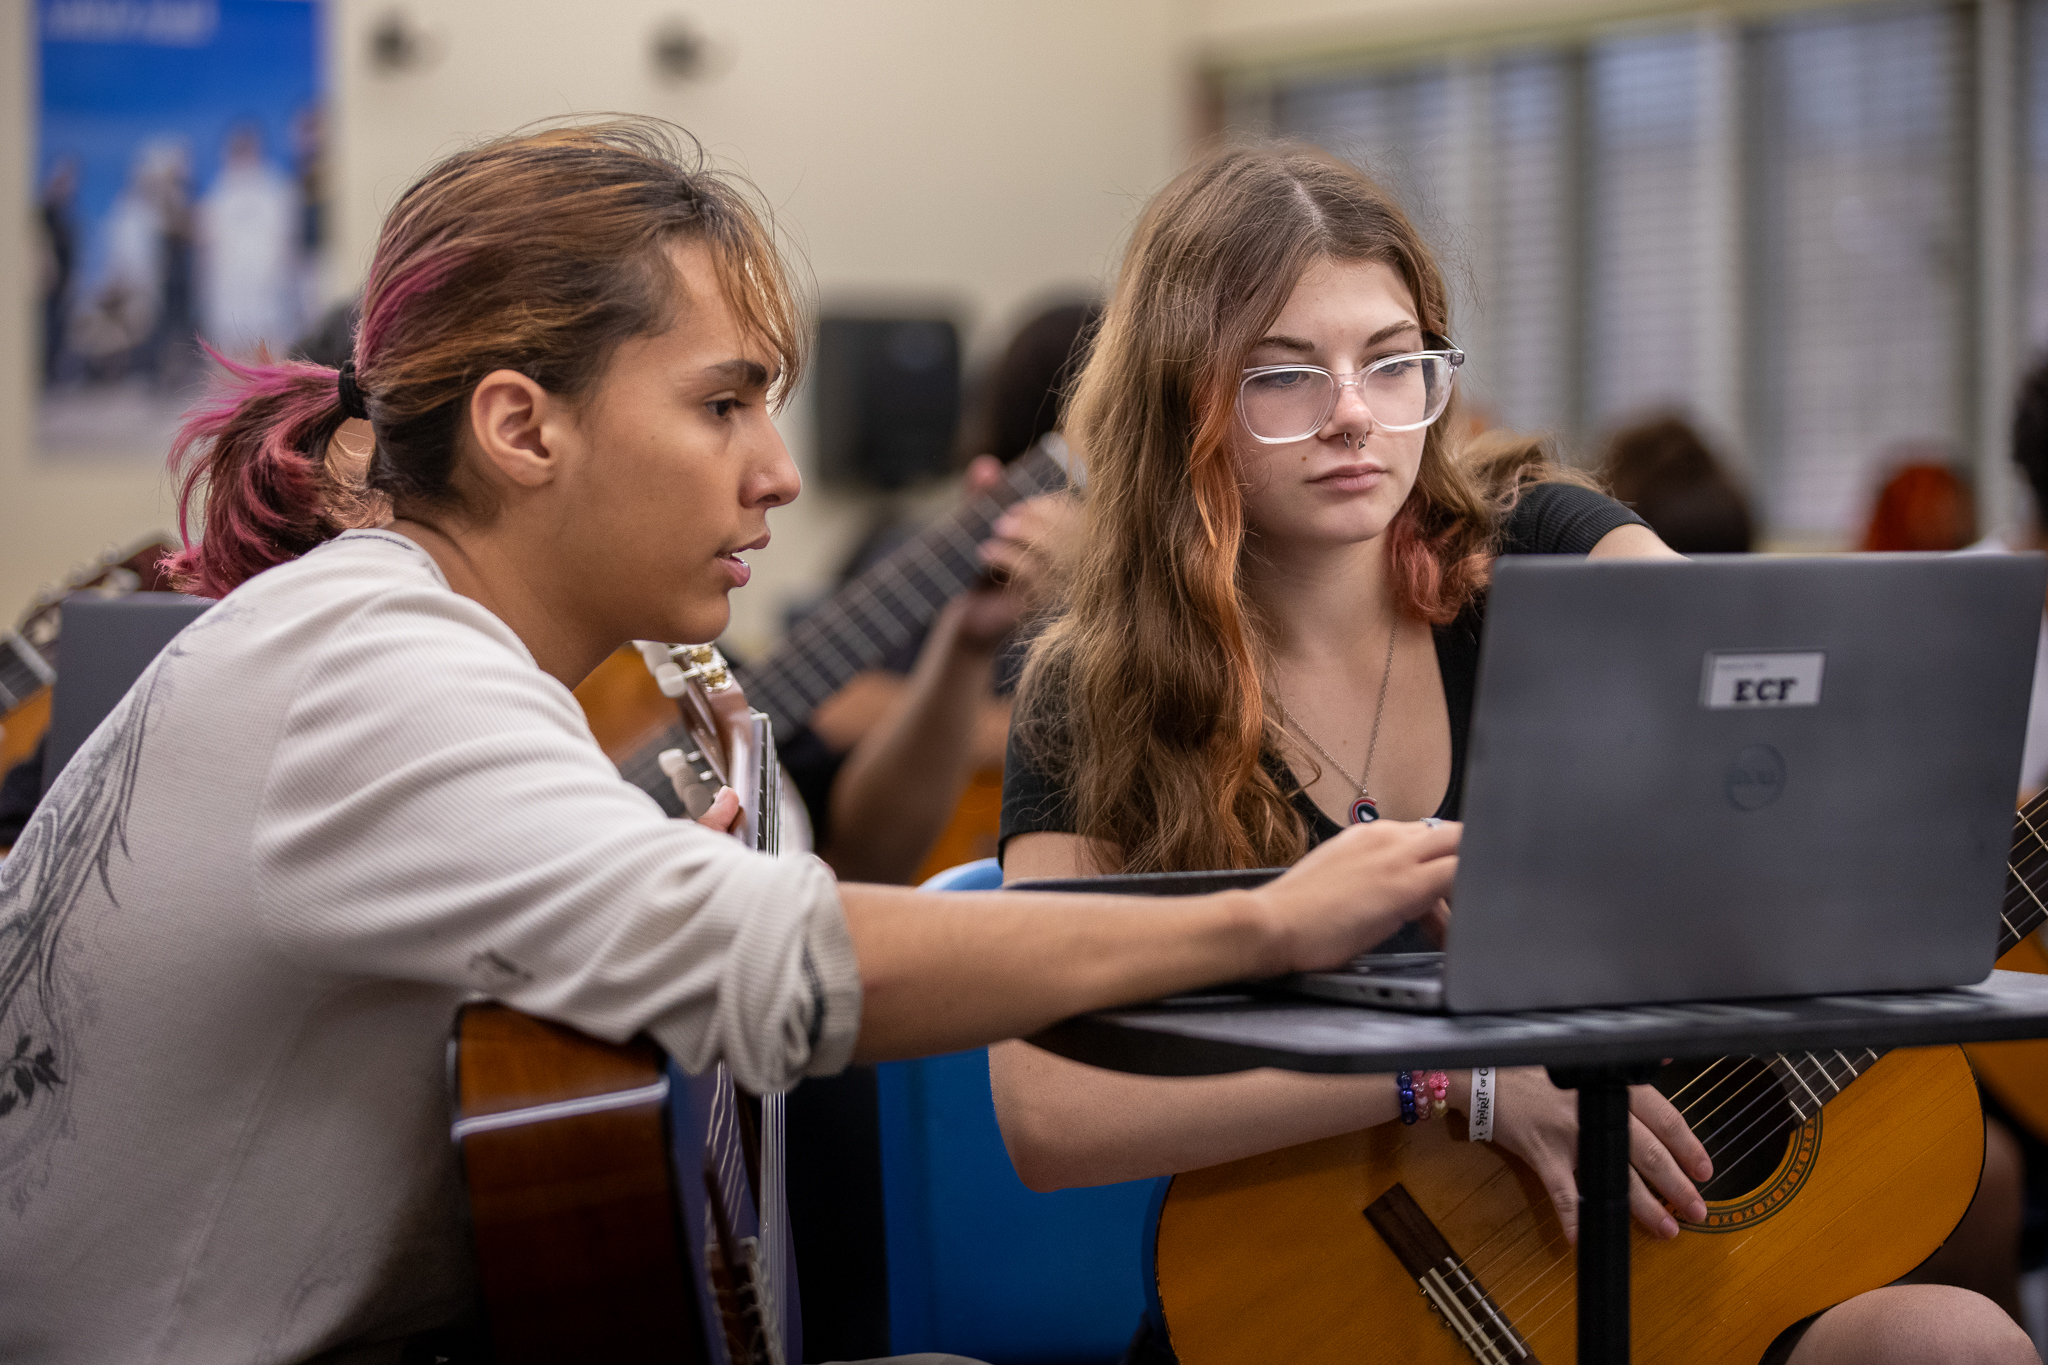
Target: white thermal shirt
{"x":234,"y":936}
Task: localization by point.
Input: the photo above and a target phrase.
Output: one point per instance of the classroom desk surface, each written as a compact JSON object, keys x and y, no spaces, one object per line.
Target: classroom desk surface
{"x":1199,"y":1035}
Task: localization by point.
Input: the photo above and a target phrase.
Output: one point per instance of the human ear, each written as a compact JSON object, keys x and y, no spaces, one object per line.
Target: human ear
{"x":507,"y":413}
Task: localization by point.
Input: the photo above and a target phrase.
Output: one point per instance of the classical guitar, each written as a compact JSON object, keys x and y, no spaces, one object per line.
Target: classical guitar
{"x":621,"y":1209}
{"x":1833,"y":1173}
{"x":28,"y":653}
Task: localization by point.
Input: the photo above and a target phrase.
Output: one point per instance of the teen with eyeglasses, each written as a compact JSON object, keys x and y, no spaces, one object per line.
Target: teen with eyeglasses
{"x":1272,"y":633}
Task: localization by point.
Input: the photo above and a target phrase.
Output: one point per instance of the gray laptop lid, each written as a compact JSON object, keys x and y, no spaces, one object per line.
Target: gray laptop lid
{"x":1740,"y":776}
{"x":107,"y":643}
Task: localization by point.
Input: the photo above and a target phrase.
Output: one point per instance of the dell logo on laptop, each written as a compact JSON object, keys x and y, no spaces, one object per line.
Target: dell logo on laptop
{"x":1756,"y":777}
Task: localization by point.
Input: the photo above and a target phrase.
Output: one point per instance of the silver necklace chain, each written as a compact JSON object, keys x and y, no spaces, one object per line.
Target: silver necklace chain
{"x":1379,"y":709}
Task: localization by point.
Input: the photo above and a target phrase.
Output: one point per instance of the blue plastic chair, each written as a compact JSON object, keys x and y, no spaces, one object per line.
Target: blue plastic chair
{"x":978,"y":1264}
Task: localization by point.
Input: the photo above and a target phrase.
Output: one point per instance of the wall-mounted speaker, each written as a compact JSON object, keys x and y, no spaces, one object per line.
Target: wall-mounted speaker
{"x":887,"y":399}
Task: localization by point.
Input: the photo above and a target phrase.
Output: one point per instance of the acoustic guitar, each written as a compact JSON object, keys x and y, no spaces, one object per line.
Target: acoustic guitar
{"x":621,"y":1209}
{"x":1834,"y":1173}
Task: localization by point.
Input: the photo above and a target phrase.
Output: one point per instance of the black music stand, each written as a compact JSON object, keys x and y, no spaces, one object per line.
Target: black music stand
{"x":1599,"y":1052}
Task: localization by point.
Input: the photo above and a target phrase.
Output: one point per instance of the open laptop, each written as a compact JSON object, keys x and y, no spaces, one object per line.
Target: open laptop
{"x":1732,"y":777}
{"x":108,"y":642}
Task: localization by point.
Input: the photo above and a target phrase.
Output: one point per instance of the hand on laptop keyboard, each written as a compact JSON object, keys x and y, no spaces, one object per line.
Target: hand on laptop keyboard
{"x":1355,"y":890}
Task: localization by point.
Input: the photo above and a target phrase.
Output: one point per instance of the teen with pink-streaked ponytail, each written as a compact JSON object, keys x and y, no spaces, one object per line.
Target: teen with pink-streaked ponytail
{"x":537,"y":254}
{"x":358,"y":791}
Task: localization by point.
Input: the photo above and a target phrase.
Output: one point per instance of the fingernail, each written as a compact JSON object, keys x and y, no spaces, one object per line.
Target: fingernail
{"x":1704,"y":1170}
{"x":1667,"y":1229}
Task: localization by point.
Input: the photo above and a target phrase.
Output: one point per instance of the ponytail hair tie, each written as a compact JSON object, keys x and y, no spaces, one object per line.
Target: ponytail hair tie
{"x":352,"y":404}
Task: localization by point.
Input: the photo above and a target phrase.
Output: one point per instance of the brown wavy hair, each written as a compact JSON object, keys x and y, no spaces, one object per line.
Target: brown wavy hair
{"x":1144,"y":698}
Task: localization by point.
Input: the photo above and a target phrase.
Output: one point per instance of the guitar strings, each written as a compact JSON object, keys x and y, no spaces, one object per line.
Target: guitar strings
{"x":1511,"y":1291}
{"x":1819,"y":1062}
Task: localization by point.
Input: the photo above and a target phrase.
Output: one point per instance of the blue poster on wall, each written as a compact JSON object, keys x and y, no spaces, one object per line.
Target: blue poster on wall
{"x":180,"y":188}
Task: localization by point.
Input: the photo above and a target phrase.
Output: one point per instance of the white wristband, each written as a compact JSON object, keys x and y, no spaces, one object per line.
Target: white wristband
{"x":1479,"y":1122}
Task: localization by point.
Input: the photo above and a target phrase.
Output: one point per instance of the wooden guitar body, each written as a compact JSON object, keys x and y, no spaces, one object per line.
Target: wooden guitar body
{"x":565,"y":1146}
{"x":1274,"y":1257}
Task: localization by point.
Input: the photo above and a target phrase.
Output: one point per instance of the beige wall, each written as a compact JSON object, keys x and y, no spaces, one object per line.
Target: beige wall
{"x":978,"y":156}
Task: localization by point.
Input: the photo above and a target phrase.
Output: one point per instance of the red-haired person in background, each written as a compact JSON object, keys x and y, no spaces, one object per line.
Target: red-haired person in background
{"x":1923,"y":505}
{"x":359,"y":790}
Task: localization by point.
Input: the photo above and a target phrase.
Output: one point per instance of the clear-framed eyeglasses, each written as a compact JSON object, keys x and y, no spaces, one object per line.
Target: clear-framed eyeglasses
{"x":1283,"y":403}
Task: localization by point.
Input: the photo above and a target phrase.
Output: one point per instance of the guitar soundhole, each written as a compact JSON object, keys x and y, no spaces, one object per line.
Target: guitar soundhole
{"x":1739,"y":1111}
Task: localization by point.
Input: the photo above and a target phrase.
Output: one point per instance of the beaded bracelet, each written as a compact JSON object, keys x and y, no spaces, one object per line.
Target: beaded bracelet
{"x":1423,"y":1097}
{"x":1404,"y":1083}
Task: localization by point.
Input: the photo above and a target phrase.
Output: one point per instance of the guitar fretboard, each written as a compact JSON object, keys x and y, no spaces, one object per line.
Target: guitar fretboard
{"x":890,"y":603}
{"x":884,"y":607}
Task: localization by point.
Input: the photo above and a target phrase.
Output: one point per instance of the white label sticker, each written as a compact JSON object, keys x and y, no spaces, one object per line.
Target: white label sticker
{"x":1734,"y":681}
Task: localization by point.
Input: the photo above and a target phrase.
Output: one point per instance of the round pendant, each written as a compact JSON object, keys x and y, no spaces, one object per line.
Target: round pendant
{"x":1364,"y":811}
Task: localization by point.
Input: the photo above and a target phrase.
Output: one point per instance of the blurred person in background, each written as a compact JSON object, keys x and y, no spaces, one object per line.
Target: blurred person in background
{"x":249,"y":232}
{"x":174,"y":357}
{"x":57,"y":219}
{"x":2030,"y":456}
{"x":309,"y":168}
{"x":1664,"y":469}
{"x":123,"y":314}
{"x":883,"y":764}
{"x":1924,"y":505}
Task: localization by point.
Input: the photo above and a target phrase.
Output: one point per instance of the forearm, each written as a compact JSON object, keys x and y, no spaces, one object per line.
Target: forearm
{"x":947,"y":971}
{"x":900,"y":784}
{"x":1067,"y":1124}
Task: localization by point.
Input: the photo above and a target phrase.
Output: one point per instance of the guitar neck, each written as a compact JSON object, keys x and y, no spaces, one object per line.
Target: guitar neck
{"x":2026,"y":879}
{"x":892,"y":602}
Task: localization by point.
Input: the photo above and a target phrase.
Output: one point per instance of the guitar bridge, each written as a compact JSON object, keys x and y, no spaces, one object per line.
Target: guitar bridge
{"x":1459,"y":1299}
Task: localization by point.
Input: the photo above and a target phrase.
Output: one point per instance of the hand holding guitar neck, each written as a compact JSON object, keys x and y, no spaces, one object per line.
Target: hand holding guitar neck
{"x":1017,"y":558}
{"x":723,"y":815}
